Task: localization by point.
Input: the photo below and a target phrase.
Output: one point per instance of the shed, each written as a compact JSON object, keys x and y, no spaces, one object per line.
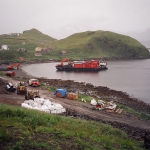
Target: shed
{"x":22,"y":50}
{"x":38,"y":49}
{"x":4,"y":47}
{"x":63,"y":52}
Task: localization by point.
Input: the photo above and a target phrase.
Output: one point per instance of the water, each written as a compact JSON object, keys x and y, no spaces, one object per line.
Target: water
{"x":130,"y":76}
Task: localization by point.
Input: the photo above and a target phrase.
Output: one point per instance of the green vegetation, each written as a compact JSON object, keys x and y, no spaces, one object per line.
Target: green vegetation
{"x":29,"y":129}
{"x":2,"y":73}
{"x":85,"y":45}
{"x":126,"y":110}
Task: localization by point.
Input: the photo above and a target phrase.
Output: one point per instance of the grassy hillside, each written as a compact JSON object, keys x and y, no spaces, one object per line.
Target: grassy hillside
{"x":29,"y":129}
{"x":29,"y":40}
{"x":85,"y":45}
{"x":102,"y":44}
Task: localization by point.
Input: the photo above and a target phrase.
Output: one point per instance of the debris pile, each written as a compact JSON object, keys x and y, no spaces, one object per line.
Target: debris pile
{"x":44,"y":105}
{"x":109,"y":107}
{"x":3,"y":85}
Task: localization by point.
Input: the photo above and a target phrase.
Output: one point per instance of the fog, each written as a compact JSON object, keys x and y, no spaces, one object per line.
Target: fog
{"x":61,"y":18}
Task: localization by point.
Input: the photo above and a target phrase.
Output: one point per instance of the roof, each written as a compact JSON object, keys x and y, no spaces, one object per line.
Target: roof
{"x":63,"y":52}
{"x":38,"y":48}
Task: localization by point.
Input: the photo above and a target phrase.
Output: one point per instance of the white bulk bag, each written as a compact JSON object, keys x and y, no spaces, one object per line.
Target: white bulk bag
{"x":93,"y":102}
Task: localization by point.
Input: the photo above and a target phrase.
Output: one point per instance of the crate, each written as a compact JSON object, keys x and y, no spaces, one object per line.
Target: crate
{"x":72,"y":96}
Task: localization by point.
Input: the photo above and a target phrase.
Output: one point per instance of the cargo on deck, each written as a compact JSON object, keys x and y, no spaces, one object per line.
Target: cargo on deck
{"x":91,"y":65}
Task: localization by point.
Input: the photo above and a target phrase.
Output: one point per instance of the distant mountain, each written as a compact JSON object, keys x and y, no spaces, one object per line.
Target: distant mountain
{"x":140,"y":36}
{"x":68,"y":30}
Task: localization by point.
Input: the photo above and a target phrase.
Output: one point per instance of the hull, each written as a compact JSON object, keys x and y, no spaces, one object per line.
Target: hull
{"x":61,"y":68}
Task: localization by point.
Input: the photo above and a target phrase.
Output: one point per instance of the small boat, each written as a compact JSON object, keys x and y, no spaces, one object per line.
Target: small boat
{"x":92,"y":65}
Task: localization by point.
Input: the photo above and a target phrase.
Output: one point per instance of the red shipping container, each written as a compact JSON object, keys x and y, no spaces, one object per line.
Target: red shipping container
{"x":86,"y":65}
{"x":78,"y":65}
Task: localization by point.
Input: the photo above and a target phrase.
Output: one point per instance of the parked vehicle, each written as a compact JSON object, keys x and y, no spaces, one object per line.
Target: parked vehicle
{"x":16,"y":65}
{"x":21,"y":88}
{"x":31,"y":94}
{"x":34,"y":82}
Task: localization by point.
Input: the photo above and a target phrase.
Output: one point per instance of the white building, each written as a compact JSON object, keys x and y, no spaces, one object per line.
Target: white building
{"x":4,"y":47}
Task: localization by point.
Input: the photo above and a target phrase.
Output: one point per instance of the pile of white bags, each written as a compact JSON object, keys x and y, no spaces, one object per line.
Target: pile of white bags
{"x":44,"y":105}
{"x":93,"y":102}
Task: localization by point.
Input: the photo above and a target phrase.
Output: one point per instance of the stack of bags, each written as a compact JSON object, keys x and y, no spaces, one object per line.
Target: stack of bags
{"x":44,"y":105}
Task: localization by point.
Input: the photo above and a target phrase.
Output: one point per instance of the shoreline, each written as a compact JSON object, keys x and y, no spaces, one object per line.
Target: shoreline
{"x":132,"y":125}
{"x":25,"y":75}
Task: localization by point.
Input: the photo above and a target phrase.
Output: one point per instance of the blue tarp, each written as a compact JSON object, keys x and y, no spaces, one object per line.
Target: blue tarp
{"x":62,"y":91}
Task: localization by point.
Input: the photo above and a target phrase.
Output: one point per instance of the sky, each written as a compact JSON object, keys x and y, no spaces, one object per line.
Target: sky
{"x":61,"y":18}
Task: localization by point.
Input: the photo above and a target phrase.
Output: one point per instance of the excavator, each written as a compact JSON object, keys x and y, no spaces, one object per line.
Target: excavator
{"x":17,"y":65}
{"x":64,"y":60}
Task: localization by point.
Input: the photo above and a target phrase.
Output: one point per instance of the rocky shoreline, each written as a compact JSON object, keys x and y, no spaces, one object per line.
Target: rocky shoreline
{"x":103,"y":93}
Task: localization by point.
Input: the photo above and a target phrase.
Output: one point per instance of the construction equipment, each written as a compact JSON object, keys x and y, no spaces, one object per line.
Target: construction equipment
{"x":64,"y":60}
{"x":31,"y":94}
{"x":17,"y":65}
{"x":21,"y":88}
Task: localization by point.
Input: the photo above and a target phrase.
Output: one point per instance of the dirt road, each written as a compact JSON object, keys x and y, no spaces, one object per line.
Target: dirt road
{"x":134,"y":127}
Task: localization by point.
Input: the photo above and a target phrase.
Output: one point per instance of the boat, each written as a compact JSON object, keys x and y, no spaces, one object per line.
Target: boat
{"x":91,"y":65}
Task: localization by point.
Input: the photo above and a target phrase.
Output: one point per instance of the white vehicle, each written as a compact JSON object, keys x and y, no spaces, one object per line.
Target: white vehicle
{"x":34,"y":82}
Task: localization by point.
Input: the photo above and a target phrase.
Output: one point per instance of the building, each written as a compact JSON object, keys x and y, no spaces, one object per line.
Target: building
{"x":38,"y":49}
{"x":63,"y":52}
{"x":4,"y":47}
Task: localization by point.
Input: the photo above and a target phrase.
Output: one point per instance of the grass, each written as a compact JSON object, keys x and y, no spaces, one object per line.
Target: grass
{"x":79,"y":46}
{"x":126,"y":109}
{"x":30,"y":129}
{"x":2,"y":73}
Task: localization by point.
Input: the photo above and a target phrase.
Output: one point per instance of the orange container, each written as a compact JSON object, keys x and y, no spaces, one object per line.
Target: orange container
{"x":72,"y":96}
{"x":75,"y":96}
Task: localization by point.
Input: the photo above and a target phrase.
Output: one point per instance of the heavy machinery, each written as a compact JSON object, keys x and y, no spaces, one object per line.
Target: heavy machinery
{"x":31,"y":94}
{"x":17,"y":65}
{"x":21,"y":88}
{"x":65,"y":60}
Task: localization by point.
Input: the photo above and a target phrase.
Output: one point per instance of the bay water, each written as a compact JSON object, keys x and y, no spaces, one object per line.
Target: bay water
{"x":130,"y":76}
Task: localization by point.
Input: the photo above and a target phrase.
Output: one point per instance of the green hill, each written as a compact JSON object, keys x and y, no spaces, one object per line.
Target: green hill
{"x":101,"y":44}
{"x":85,"y":45}
{"x":29,"y":39}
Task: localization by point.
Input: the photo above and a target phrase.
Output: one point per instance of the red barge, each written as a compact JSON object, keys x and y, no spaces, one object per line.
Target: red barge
{"x":92,"y":65}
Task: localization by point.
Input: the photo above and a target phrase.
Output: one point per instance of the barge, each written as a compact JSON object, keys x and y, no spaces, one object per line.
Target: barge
{"x":92,"y":65}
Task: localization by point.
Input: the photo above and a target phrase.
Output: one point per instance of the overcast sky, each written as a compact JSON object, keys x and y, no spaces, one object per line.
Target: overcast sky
{"x":59,"y":18}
